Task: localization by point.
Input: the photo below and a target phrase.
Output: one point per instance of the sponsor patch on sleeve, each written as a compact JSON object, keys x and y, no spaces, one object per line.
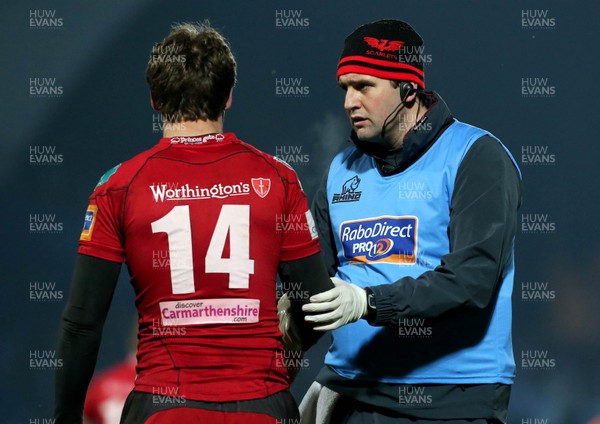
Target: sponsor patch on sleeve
{"x":312,"y":228}
{"x":389,"y":239}
{"x":88,"y":222}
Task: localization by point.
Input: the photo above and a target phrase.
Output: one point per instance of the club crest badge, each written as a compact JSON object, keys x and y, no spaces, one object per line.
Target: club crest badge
{"x":261,"y":186}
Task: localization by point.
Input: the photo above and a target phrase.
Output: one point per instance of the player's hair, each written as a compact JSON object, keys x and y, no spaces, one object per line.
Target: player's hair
{"x":191,"y":73}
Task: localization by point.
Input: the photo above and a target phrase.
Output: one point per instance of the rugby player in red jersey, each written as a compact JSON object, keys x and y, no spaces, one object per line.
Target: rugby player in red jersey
{"x":209,"y":346}
{"x":108,"y":391}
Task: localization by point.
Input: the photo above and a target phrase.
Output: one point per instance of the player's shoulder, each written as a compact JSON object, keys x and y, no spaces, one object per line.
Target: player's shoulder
{"x":120,"y":176}
{"x":277,"y":164}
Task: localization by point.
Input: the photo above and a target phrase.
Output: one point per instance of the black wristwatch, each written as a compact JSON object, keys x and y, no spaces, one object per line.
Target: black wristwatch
{"x":371,"y":306}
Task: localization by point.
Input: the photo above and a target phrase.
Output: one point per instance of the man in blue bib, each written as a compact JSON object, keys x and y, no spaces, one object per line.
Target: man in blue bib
{"x":417,"y":220}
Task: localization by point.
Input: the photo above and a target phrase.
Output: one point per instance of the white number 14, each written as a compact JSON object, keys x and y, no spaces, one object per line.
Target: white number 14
{"x":233,"y":220}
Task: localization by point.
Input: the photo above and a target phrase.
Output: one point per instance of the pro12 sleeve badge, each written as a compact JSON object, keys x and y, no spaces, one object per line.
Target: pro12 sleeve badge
{"x":88,"y":222}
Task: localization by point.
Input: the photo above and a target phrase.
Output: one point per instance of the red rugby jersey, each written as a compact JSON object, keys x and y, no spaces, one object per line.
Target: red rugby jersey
{"x":202,"y":223}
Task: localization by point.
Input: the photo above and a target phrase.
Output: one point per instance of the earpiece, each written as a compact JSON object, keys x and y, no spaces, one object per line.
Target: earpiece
{"x":406,"y":89}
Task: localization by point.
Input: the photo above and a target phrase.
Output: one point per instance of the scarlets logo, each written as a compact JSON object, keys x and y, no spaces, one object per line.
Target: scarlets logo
{"x":390,"y":239}
{"x":383,"y":45}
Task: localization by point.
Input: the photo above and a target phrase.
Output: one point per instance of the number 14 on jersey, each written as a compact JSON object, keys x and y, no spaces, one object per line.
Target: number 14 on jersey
{"x":234,"y":220}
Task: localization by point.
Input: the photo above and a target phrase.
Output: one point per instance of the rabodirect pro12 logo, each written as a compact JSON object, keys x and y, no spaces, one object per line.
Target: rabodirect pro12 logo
{"x":390,"y":239}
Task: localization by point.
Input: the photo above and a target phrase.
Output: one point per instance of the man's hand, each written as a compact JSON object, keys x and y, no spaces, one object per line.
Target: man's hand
{"x":341,"y":305}
{"x":291,"y":340}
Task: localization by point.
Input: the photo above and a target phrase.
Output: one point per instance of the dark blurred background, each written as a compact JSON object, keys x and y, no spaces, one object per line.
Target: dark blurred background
{"x":75,"y":103}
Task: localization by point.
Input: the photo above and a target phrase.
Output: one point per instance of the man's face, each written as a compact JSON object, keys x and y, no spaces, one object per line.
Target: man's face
{"x":369,"y":101}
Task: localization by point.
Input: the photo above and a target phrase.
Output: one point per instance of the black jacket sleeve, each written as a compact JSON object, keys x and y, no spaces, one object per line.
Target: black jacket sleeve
{"x":92,"y":289}
{"x":483,"y":222}
{"x":308,"y":277}
{"x":320,"y":211}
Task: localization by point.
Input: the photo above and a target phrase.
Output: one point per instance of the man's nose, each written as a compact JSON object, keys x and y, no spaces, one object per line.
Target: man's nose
{"x":351,"y":100}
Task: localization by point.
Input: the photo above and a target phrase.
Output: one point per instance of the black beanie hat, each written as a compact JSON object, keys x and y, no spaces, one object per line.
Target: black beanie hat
{"x":385,"y":49}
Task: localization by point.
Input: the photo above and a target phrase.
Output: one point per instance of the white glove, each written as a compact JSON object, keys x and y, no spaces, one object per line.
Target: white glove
{"x":341,"y":305}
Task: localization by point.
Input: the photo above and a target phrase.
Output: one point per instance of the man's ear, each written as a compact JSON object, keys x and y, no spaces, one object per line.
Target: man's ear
{"x":153,"y":103}
{"x":229,"y":100}
{"x":408,"y":92}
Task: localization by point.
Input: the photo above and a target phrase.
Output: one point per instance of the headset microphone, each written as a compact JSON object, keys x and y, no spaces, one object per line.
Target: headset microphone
{"x":406,"y":89}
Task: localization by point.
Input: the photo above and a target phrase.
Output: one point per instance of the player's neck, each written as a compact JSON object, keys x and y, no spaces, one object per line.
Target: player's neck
{"x":190,"y":128}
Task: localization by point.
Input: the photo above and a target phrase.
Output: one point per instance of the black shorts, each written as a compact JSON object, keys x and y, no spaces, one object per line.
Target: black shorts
{"x":351,"y":411}
{"x":143,"y":407}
